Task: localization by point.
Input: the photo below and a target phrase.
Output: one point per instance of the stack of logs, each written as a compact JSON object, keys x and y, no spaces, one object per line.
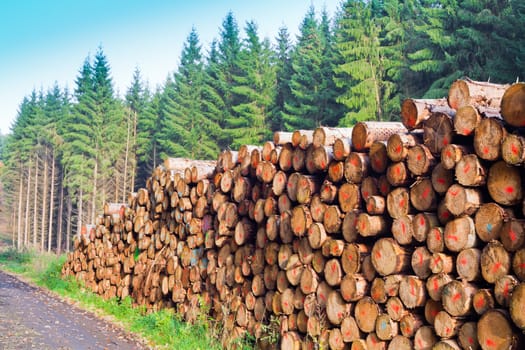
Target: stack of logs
{"x":382,"y":236}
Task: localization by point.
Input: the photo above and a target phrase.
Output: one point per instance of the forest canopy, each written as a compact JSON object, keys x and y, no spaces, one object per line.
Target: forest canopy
{"x":70,"y":151}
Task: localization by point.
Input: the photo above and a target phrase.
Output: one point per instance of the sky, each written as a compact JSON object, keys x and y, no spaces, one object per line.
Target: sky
{"x":47,"y":41}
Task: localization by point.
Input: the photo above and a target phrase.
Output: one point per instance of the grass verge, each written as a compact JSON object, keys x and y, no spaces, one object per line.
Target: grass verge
{"x":161,"y":330}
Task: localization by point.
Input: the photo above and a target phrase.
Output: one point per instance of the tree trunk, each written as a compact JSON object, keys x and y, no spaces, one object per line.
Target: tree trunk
{"x":44,"y":204}
{"x":51,"y":203}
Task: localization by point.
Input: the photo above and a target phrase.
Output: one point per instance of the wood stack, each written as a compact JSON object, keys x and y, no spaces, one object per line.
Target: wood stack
{"x":385,"y":235}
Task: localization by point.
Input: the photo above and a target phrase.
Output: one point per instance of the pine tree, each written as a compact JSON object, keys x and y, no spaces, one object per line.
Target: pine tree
{"x":283,"y":68}
{"x":252,"y":89}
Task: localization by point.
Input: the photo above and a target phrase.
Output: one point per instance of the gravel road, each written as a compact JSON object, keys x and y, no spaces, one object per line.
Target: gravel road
{"x":31,"y":318}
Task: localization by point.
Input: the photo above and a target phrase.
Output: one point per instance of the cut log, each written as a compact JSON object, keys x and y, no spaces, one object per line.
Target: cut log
{"x":457,"y":298}
{"x":518,"y":264}
{"x":495,"y":261}
{"x":513,"y":105}
{"x":356,"y":167}
{"x":460,"y":234}
{"x":488,"y":137}
{"x":365,"y":133}
{"x":512,"y":234}
{"x":420,"y":160}
{"x":495,"y":331}
{"x":435,"y":284}
{"x":282,"y":137}
{"x":446,"y":325}
{"x":465,"y":92}
{"x":341,"y":148}
{"x":349,"y":329}
{"x":369,"y":187}
{"x":366,"y":313}
{"x":398,"y":145}
{"x":442,"y":178}
{"x":386,"y":328}
{"x":336,"y":171}
{"x":333,"y":272}
{"x":397,"y":174}
{"x":349,"y":197}
{"x":468,"y":264}
{"x":425,"y":338}
{"x":461,"y":200}
{"x":398,"y":202}
{"x":517,"y":306}
{"x":286,"y":157}
{"x":482,"y":301}
{"x":422,"y":195}
{"x":378,"y":157}
{"x":410,"y":323}
{"x":412,"y":292}
{"x":470,"y":172}
{"x":422,"y":223}
{"x":504,"y":184}
{"x":395,"y":308}
{"x":451,"y":154}
{"x":354,"y":287}
{"x":371,"y":225}
{"x":466,"y":120}
{"x":504,"y":288}
{"x":420,"y":262}
{"x":513,"y":149}
{"x":438,"y":132}
{"x":326,"y":136}
{"x":441,"y":263}
{"x":388,"y":257}
{"x":414,"y":112}
{"x":336,"y":308}
{"x":402,"y":229}
{"x":468,"y":336}
{"x":489,"y":220}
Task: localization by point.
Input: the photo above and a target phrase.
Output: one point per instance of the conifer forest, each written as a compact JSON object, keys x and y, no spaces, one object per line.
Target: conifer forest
{"x":71,"y":151}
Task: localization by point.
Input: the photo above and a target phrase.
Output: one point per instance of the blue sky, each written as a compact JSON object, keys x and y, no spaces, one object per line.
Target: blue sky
{"x":43,"y":41}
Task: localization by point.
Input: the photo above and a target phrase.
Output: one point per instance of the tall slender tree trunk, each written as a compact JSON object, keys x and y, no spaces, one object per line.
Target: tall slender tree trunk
{"x":60,"y":216}
{"x":68,"y":226}
{"x":13,"y":229}
{"x":134,"y":168}
{"x":44,"y":205}
{"x":26,"y":219}
{"x":51,"y":203}
{"x":19,"y":223}
{"x":80,"y":212}
{"x":35,"y":202}
{"x":94,"y":200}
{"x":126,"y":157}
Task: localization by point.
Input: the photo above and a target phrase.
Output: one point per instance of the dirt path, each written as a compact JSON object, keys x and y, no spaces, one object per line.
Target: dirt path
{"x":31,"y":318}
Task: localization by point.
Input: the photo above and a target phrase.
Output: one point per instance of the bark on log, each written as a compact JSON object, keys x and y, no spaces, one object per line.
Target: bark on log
{"x":465,"y":92}
{"x":513,"y":105}
{"x":415,"y":111}
{"x":365,"y":133}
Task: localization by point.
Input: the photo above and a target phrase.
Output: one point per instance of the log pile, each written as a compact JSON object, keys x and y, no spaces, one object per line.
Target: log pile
{"x":381,"y":236}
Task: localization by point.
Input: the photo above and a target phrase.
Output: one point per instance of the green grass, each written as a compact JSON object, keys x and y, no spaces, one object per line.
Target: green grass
{"x":162,"y":329}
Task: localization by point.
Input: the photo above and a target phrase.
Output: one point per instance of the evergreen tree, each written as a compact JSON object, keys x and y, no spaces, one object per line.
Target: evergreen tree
{"x":306,"y":107}
{"x":252,"y":91}
{"x":283,"y":68}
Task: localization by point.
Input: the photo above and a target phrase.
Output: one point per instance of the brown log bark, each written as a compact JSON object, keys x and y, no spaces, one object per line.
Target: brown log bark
{"x":517,"y":306}
{"x":365,"y":133}
{"x":326,"y":136}
{"x":414,"y":112}
{"x":518,"y":264}
{"x":465,"y":92}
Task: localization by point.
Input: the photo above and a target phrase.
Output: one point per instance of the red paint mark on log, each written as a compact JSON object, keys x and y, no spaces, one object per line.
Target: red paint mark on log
{"x":453,"y":238}
{"x":412,"y":288}
{"x":479,"y":303}
{"x":490,"y":343}
{"x":471,"y":340}
{"x":378,"y":254}
{"x":466,"y":131}
{"x":454,"y":192}
{"x":403,"y":227}
{"x":445,"y":141}
{"x":441,"y":181}
{"x":485,"y":150}
{"x":437,"y":235}
{"x":445,"y":215}
{"x":322,"y":297}
{"x":354,"y":161}
{"x":435,"y":285}
{"x":345,"y":196}
{"x":402,"y":202}
{"x":463,"y":261}
{"x":420,"y":255}
{"x":466,"y":169}
{"x":509,"y":189}
{"x":496,"y":267}
{"x":456,"y":297}
{"x":396,"y":308}
{"x":421,"y":221}
{"x":425,"y":193}
{"x":512,"y":235}
{"x":514,"y":149}
{"x":448,"y":154}
{"x":398,"y":149}
{"x":506,"y":288}
{"x":365,"y":194}
{"x":334,"y":267}
{"x":522,"y":266}
{"x":418,"y":157}
{"x":323,"y":165}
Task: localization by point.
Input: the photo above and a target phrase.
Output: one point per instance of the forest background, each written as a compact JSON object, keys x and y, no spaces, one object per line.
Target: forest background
{"x":69,"y":152}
